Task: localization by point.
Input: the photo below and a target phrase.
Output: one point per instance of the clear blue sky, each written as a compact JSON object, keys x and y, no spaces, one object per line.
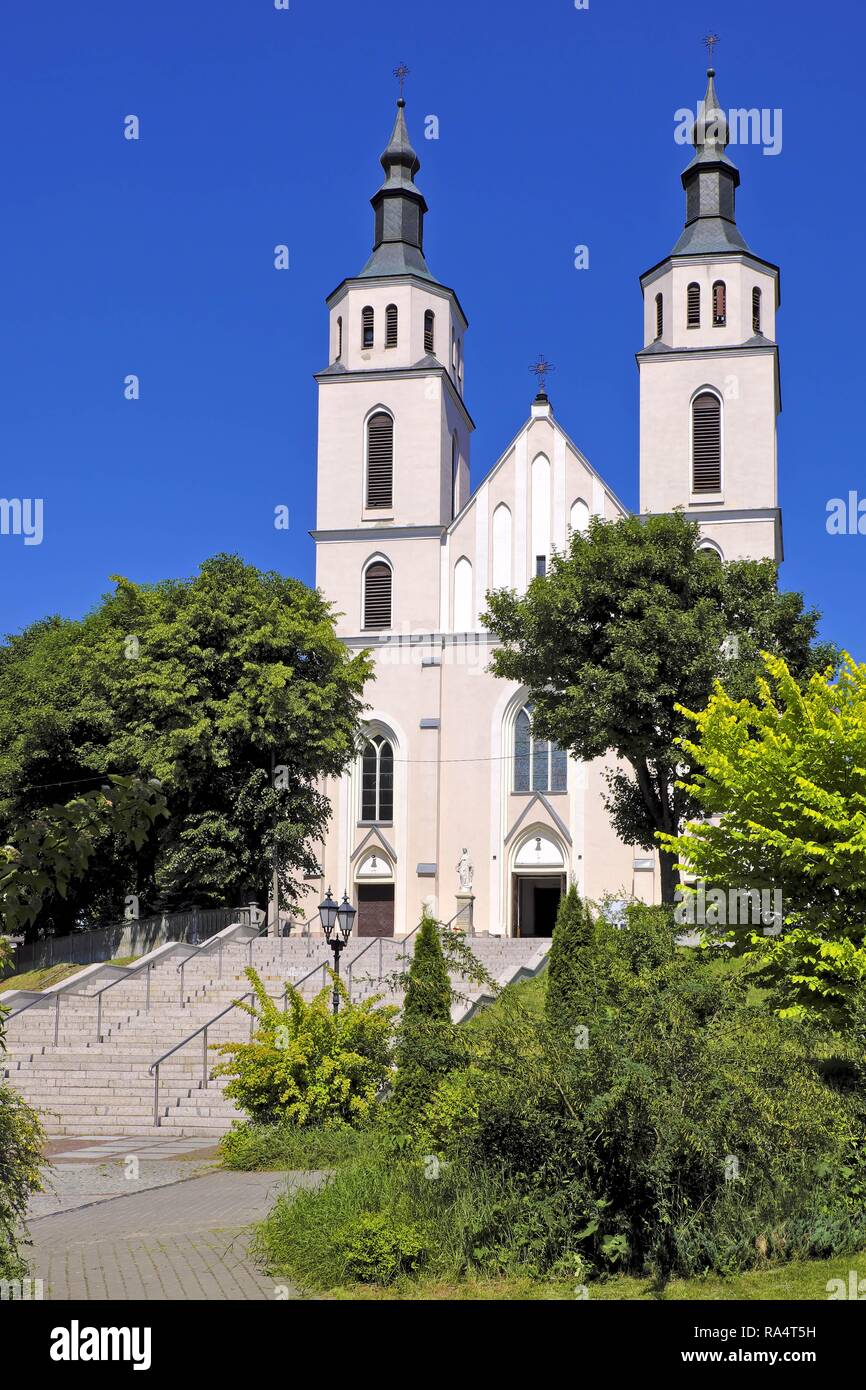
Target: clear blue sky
{"x":261,"y":126}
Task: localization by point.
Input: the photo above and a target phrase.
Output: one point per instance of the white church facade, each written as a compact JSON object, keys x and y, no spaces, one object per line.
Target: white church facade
{"x":452,"y":804}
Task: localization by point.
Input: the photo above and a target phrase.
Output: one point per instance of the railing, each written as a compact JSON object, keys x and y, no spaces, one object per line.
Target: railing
{"x":219,"y":944}
{"x":101,"y":943}
{"x":153,"y":1069}
{"x":397,"y":944}
{"x":127,"y":975}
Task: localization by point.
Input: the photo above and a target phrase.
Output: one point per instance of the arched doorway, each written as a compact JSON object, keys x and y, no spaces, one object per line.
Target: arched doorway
{"x":538,"y":883}
{"x":374,"y":887}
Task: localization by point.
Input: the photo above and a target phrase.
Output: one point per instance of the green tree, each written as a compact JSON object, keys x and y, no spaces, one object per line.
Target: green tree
{"x":425,"y":1040}
{"x":781,"y":781}
{"x":55,"y":849}
{"x":632,"y":622}
{"x":204,"y":683}
{"x":572,"y":972}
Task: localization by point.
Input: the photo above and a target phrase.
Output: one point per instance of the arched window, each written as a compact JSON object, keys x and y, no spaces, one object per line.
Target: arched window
{"x":430,"y":332}
{"x":693,"y":306}
{"x":463,"y":615}
{"x":377,"y":595}
{"x":367,"y":326}
{"x":455,"y":474}
{"x":377,"y":779}
{"x":391,"y":326}
{"x":756,"y":310}
{"x":579,"y":518}
{"x":380,"y":461}
{"x":706,"y":443}
{"x":660,"y":315}
{"x":710,"y":548}
{"x":539,"y":765}
{"x":339,"y":338}
{"x":720,"y":304}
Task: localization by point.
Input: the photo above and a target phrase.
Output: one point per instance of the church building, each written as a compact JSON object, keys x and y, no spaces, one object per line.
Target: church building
{"x":453,"y":804}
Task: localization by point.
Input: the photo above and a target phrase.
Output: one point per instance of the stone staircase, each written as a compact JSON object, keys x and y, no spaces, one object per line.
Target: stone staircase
{"x":82,"y":1052}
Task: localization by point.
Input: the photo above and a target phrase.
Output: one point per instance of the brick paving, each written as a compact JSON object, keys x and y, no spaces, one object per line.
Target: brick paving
{"x":181,"y":1240}
{"x":81,"y":1171}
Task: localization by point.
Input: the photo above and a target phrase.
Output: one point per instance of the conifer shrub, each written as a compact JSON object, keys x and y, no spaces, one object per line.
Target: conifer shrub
{"x":427,"y":1047}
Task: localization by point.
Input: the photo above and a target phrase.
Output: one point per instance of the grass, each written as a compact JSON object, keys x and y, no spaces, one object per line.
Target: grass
{"x":54,"y":974}
{"x":803,"y":1281}
{"x":280,"y":1148}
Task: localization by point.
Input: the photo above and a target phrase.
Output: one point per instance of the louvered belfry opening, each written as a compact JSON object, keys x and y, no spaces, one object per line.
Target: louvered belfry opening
{"x":756,"y":310}
{"x":391,"y":326}
{"x":377,"y":595}
{"x":706,"y":443}
{"x":367,"y":327}
{"x":380,"y":461}
{"x":693,"y":307}
{"x":660,"y":315}
{"x":429,"y":332}
{"x":720,"y":304}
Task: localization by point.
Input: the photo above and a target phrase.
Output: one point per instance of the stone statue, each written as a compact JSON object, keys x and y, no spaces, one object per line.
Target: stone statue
{"x":464,"y":872}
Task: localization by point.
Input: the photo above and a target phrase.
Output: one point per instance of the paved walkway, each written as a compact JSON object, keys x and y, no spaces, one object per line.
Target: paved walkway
{"x":166,"y":1239}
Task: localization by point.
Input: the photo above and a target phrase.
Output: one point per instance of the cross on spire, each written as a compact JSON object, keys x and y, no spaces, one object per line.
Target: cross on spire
{"x":401,"y":72}
{"x":711,"y":40}
{"x":542,"y":369}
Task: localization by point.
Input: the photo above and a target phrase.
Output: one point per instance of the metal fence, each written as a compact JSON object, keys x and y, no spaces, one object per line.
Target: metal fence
{"x":129,"y":938}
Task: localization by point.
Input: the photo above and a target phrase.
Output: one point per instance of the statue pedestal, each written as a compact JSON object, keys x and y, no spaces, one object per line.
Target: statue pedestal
{"x":465,"y":907}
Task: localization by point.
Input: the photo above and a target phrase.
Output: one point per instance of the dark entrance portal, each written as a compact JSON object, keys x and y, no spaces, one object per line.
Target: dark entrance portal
{"x":537,"y":905}
{"x":375,"y":909}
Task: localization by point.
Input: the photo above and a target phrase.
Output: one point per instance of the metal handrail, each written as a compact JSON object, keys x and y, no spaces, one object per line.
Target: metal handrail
{"x":153,"y":1069}
{"x":221,"y":940}
{"x":395,"y":943}
{"x":130,"y":971}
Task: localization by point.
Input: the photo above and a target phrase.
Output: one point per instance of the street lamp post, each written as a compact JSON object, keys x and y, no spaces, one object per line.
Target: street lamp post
{"x":337,"y":926}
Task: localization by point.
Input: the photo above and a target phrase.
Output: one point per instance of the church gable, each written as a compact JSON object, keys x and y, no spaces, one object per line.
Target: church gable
{"x":540,"y":490}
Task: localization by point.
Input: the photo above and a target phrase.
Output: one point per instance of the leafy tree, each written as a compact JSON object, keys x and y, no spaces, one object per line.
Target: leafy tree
{"x":783,"y":779}
{"x":206,"y":684}
{"x":632,"y":622}
{"x":55,"y":849}
{"x":426,"y":1042}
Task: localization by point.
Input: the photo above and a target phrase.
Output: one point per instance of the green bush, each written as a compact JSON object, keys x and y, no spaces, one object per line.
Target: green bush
{"x":21,"y":1145}
{"x":690,"y":1131}
{"x":306,"y":1065}
{"x":374,"y":1249}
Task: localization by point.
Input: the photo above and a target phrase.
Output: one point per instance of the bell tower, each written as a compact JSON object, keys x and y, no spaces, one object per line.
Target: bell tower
{"x":393,"y":448}
{"x":709,"y":367}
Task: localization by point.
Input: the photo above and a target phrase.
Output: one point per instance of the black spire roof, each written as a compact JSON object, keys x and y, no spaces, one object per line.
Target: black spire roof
{"x":399,"y":207}
{"x":710,"y":182}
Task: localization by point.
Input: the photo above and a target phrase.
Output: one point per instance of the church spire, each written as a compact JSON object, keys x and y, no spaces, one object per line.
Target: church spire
{"x":399,"y":205}
{"x":710,"y":182}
